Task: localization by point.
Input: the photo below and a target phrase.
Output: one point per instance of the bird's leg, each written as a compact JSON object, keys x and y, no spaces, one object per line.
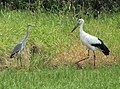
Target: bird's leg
{"x":84,"y":58}
{"x":20,"y":60}
{"x":94,"y":58}
{"x":88,"y":52}
{"x":17,"y":61}
{"x":81,"y":60}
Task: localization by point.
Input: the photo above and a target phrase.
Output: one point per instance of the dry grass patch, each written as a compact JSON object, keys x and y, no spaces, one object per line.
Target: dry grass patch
{"x":31,"y":49}
{"x":77,"y":53}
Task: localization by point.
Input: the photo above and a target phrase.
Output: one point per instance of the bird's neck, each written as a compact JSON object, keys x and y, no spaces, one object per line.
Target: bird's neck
{"x":26,"y":35}
{"x":82,"y":32}
{"x":81,"y":28}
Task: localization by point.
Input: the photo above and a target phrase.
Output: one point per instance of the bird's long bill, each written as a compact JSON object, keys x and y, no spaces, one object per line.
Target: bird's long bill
{"x":33,"y":26}
{"x":75,"y":27}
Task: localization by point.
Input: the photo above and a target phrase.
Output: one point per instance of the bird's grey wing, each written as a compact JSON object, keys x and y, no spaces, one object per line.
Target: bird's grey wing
{"x":17,"y":48}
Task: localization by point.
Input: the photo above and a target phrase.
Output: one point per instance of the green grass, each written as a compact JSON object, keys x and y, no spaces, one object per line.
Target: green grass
{"x":63,"y":78}
{"x":52,"y":36}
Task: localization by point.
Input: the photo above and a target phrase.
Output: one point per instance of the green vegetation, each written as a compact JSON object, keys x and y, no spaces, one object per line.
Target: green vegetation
{"x":63,"y":78}
{"x":52,"y":33}
{"x":46,"y":41}
{"x":63,"y":5}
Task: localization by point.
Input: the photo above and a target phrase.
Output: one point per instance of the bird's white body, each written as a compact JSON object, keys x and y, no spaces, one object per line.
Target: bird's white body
{"x":88,"y":39}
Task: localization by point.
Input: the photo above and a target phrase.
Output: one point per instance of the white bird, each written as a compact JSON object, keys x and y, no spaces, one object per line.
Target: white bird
{"x":92,"y":42}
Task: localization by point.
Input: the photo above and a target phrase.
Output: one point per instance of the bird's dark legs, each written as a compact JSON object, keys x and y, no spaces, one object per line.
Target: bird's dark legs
{"x":17,"y":61}
{"x":84,"y":58}
{"x":94,"y":58}
{"x":88,"y":52}
{"x":20,"y":60}
{"x":87,"y":58}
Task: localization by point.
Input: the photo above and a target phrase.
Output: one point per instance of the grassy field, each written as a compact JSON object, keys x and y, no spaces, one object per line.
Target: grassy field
{"x":51,"y":51}
{"x":63,"y":78}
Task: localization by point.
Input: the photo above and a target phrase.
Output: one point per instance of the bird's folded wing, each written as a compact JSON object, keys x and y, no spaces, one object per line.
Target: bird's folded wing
{"x":92,"y":40}
{"x":17,"y":48}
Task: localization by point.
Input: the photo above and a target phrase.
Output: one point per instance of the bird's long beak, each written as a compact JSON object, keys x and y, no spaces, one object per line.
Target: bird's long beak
{"x":75,"y":27}
{"x":33,"y":26}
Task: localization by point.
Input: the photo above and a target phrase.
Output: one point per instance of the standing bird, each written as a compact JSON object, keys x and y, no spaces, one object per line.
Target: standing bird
{"x":20,"y":46}
{"x":92,"y":42}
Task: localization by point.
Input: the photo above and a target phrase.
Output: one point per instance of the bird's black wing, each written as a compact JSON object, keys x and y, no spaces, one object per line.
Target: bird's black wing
{"x":16,"y":49}
{"x":102,"y":46}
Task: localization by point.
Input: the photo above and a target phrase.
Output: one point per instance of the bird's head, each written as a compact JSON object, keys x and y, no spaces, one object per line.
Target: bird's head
{"x":80,"y":21}
{"x":29,"y":26}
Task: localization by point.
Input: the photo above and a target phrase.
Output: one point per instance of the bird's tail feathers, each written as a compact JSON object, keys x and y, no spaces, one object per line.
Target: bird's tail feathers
{"x":11,"y":56}
{"x":106,"y":52}
{"x":104,"y":49}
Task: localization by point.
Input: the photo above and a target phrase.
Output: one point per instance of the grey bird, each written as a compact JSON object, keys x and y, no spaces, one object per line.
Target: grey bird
{"x":21,"y":45}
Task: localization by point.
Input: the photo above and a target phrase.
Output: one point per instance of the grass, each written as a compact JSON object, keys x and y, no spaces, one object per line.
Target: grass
{"x":63,"y":78}
{"x":50,"y":43}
